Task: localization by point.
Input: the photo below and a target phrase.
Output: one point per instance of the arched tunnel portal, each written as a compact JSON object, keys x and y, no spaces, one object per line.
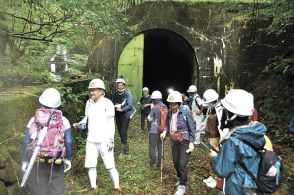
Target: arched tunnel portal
{"x":168,"y":61}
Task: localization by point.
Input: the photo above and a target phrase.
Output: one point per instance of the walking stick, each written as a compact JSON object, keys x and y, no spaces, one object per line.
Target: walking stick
{"x":42,"y":135}
{"x":161,"y":163}
{"x":143,"y":135}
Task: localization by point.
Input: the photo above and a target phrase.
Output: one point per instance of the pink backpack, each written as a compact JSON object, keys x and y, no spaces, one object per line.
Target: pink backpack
{"x":53,"y":143}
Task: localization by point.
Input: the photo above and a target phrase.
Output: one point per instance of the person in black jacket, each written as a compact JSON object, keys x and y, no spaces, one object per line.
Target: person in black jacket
{"x":123,"y":103}
{"x":145,"y":106}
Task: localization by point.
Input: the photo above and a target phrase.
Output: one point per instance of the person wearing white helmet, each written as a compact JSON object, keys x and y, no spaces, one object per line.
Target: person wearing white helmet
{"x":154,"y":136}
{"x":45,"y":178}
{"x":210,"y":124}
{"x":239,"y":104}
{"x":99,"y":117}
{"x":145,"y":106}
{"x":123,"y":103}
{"x":181,"y":127}
{"x":196,"y":106}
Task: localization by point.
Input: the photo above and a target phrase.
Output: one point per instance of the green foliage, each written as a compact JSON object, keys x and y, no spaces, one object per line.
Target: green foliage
{"x":278,"y":70}
{"x":72,"y":104}
{"x":34,"y":28}
{"x":3,"y":156}
{"x":283,"y":17}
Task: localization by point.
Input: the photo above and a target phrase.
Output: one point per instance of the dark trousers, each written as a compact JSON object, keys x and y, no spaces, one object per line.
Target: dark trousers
{"x":143,"y":119}
{"x":180,"y":159}
{"x":122,"y":124}
{"x":40,"y":179}
{"x":155,"y":141}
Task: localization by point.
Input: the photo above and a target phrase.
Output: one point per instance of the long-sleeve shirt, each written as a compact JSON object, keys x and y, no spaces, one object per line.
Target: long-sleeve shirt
{"x":126,"y":102}
{"x":185,"y":122}
{"x":100,"y":119}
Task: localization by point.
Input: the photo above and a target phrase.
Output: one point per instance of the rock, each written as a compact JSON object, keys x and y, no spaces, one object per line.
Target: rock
{"x":3,"y":188}
{"x":14,"y":189}
{"x":10,"y":172}
{"x":2,"y":174}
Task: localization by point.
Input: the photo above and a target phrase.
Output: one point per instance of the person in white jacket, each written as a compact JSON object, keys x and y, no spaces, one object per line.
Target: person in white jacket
{"x":99,"y":117}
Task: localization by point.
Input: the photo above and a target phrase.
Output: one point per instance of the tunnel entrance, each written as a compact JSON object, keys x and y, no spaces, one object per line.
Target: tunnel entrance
{"x":168,"y":61}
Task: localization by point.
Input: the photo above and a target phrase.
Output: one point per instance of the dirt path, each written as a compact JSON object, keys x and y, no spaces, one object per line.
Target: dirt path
{"x":136,"y":176}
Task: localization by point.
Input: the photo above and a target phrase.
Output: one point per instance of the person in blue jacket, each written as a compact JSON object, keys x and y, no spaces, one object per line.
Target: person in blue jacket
{"x":180,"y":122}
{"x":123,"y":103}
{"x":226,"y":163}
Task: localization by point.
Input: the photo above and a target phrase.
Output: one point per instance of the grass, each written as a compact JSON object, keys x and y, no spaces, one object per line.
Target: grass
{"x":136,"y":177}
{"x":227,"y":1}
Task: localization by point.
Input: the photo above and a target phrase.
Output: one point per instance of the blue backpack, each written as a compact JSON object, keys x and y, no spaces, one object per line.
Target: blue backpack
{"x":269,"y":176}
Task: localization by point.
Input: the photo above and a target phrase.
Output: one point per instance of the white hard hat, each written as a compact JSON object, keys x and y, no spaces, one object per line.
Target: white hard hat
{"x":210,"y":95}
{"x":239,"y":102}
{"x":145,"y":89}
{"x":50,"y":98}
{"x":156,"y":95}
{"x":175,"y":96}
{"x":96,"y":83}
{"x":192,"y":89}
{"x":119,"y":80}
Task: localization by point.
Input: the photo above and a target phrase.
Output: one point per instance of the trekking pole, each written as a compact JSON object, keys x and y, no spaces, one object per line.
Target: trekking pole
{"x":143,"y":135}
{"x":42,"y":135}
{"x":161,"y":163}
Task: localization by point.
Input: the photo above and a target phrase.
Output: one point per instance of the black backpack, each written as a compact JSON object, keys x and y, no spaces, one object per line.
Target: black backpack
{"x":269,"y":176}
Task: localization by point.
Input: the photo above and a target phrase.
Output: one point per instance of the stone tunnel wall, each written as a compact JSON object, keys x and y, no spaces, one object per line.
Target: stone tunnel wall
{"x":215,"y":31}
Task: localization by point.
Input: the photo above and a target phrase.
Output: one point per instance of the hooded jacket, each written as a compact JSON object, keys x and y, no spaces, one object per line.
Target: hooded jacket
{"x":226,"y":165}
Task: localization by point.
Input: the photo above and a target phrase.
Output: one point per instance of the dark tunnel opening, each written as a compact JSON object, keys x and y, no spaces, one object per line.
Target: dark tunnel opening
{"x":169,"y":61}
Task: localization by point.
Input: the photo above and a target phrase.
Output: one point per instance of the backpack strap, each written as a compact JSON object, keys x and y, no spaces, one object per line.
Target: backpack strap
{"x":197,"y":96}
{"x":242,"y":164}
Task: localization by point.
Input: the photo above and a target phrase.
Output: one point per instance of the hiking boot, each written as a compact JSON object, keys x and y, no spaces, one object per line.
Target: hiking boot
{"x":117,"y":191}
{"x":208,"y":180}
{"x":196,"y":143}
{"x":125,"y":149}
{"x":153,"y":166}
{"x":180,"y":190}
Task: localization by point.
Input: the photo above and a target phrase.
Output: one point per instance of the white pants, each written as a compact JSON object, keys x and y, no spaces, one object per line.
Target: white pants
{"x":94,"y":150}
{"x":198,"y":119}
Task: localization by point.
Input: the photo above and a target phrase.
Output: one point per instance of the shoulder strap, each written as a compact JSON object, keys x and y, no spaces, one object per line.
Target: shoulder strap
{"x":196,"y":101}
{"x":242,"y":164}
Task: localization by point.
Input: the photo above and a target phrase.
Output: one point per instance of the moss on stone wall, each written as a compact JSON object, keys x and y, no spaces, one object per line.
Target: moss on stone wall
{"x":17,"y":107}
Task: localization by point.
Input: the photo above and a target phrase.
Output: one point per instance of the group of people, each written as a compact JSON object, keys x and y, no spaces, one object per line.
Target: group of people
{"x":223,"y":122}
{"x":100,"y":116}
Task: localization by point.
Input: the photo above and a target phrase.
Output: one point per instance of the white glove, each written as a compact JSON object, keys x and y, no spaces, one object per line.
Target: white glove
{"x":110,"y":144}
{"x":191,"y":147}
{"x":162,"y":135}
{"x":24,"y":166}
{"x":67,"y":165}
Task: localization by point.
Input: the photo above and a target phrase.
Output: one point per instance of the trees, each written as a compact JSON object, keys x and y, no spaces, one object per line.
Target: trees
{"x":31,"y":29}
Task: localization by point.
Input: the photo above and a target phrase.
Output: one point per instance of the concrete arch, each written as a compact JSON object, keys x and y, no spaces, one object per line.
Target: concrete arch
{"x":213,"y":35}
{"x":175,"y":59}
